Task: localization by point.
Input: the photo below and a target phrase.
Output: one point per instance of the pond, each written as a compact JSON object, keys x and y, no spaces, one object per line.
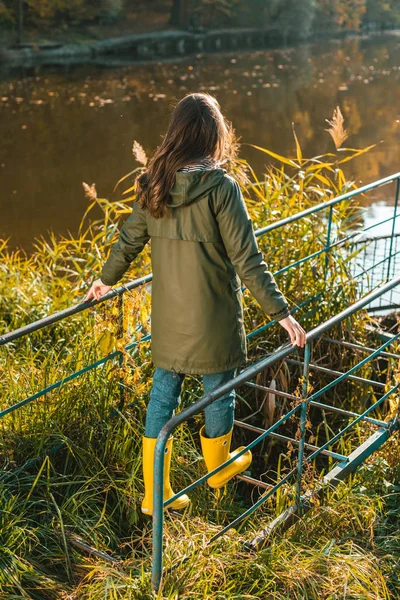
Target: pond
{"x":61,"y":126}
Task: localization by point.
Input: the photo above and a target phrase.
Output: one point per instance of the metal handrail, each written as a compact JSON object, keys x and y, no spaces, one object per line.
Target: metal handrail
{"x":244,"y":376}
{"x":71,"y":310}
{"x":82,"y":306}
{"x":329,"y":203}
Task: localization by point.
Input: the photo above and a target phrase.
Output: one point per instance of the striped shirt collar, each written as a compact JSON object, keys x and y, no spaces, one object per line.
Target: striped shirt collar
{"x":204,"y":163}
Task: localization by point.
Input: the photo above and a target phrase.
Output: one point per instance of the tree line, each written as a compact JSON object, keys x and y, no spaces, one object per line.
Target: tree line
{"x":289,"y":18}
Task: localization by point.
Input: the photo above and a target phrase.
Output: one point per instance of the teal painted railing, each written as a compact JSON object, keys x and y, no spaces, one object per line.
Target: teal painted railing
{"x":301,"y":407}
{"x":346,"y":464}
{"x":379,"y":264}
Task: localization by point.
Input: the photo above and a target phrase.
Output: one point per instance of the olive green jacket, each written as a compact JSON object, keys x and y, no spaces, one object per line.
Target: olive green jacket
{"x":200,"y":255}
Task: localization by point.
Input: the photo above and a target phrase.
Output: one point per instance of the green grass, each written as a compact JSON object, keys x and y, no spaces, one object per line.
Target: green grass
{"x":91,"y":489}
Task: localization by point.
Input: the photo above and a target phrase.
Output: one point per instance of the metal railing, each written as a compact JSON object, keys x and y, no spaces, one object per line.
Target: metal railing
{"x":329,"y":245}
{"x":385,"y":260}
{"x":386,"y":264}
{"x":301,"y":407}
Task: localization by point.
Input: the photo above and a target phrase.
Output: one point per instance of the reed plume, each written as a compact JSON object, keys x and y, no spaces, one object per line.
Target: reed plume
{"x":337,"y":130}
{"x":90,"y":191}
{"x":139,"y":153}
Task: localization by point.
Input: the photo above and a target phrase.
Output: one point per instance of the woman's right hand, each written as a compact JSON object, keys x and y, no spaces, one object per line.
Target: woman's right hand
{"x":97,"y":290}
{"x":295,"y":331}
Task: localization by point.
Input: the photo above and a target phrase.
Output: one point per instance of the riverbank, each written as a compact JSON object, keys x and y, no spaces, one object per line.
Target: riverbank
{"x":159,"y":44}
{"x":154,"y":45}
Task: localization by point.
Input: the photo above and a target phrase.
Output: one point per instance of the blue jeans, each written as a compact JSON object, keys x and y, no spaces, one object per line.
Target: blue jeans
{"x":165,"y":397}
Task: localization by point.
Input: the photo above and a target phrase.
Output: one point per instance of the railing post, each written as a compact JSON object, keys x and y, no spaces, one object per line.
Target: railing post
{"x":328,"y":242}
{"x":158,"y":510}
{"x":120,"y":334}
{"x":374,"y":252}
{"x":303,"y":421}
{"x":396,"y":202}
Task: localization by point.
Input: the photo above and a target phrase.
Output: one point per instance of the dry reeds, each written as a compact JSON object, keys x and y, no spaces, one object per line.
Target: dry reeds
{"x":91,"y":489}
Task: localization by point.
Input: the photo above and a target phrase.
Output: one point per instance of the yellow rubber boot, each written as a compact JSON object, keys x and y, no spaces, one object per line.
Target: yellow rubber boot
{"x":149,"y":445}
{"x":216,"y":451}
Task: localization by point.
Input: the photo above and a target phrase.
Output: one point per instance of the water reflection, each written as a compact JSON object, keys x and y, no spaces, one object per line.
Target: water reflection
{"x":77,"y":124}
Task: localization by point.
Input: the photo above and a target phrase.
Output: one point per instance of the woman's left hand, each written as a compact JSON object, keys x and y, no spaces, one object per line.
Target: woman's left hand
{"x":298,"y":336}
{"x":97,"y":290}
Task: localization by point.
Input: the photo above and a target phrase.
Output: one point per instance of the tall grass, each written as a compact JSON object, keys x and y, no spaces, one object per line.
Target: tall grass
{"x":71,"y":461}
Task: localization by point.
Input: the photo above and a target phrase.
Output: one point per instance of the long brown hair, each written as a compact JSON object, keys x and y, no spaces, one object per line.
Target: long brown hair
{"x":197,"y":129}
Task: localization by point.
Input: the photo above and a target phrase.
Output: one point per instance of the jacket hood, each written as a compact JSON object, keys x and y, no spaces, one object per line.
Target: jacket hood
{"x":191,"y":185}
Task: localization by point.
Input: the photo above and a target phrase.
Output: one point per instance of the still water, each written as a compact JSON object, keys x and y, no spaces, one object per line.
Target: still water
{"x":66,"y":125}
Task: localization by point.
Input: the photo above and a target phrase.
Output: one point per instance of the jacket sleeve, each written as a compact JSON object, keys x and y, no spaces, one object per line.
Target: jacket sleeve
{"x":237,"y":233}
{"x":133,"y":237}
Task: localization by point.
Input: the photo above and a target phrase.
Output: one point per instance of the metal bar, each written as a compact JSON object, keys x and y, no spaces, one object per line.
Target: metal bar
{"x":379,"y":223}
{"x":332,"y":372}
{"x":359,"y":455}
{"x":328,"y":241}
{"x":56,"y":385}
{"x":383,"y":307}
{"x":72,"y":310}
{"x":356,"y":420}
{"x":252,"y":508}
{"x":90,"y":550}
{"x":326,"y":249}
{"x":268,"y":389}
{"x":359,"y":347}
{"x":374,"y":266}
{"x":69,"y":378}
{"x":323,"y":205}
{"x":352,"y":370}
{"x":303,"y":420}
{"x":341,"y":242}
{"x":255,"y":482}
{"x":265,"y":433}
{"x":374,"y":262}
{"x":291,"y":311}
{"x":374,"y":238}
{"x":158,"y":500}
{"x":396,"y":202}
{"x":381,"y":333}
{"x":334,"y":320}
{"x":299,"y":262}
{"x":120,"y":334}
{"x":361,"y":231}
{"x":393,"y":426}
{"x":158,"y":509}
{"x":332,"y":479}
{"x":347,"y":312}
{"x":284,"y":438}
{"x":327,"y":407}
{"x":347,"y":413}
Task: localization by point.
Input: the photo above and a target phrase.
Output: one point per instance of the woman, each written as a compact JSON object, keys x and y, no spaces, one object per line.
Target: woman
{"x":202,"y":248}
